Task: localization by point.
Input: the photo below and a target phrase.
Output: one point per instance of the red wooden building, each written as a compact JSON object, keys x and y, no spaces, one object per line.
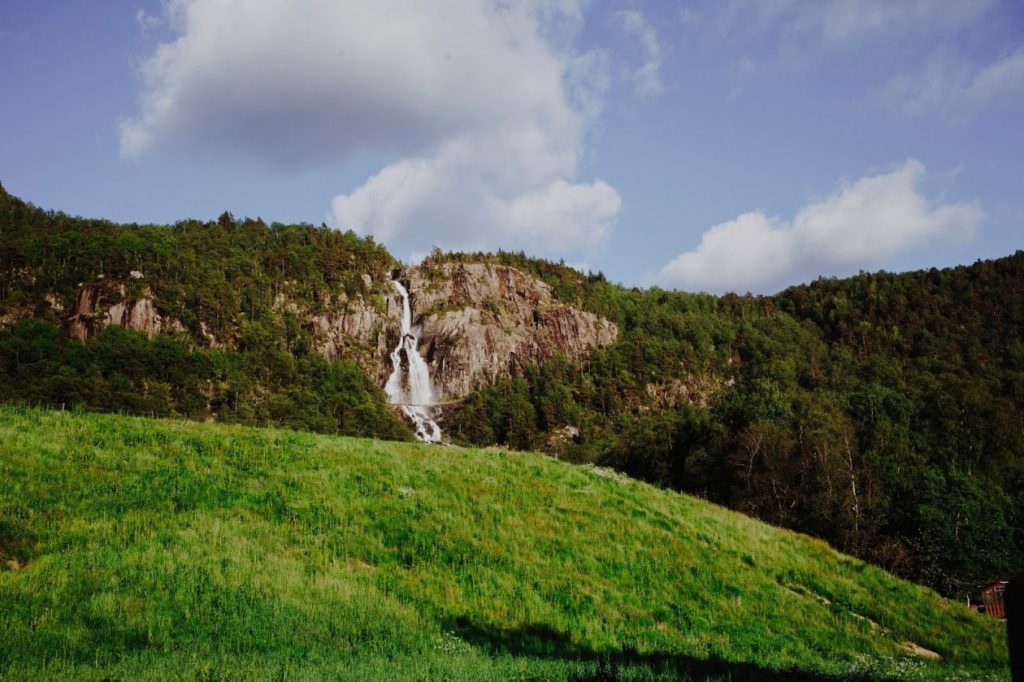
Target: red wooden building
{"x":992,"y":598}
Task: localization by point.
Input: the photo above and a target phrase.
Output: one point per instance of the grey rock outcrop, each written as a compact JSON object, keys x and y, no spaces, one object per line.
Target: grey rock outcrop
{"x":482,"y":322}
{"x":478,"y":322}
{"x":359,"y":331}
{"x":106,"y":304}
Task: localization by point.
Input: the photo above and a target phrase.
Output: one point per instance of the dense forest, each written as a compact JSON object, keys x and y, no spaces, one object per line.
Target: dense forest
{"x":883,"y":413}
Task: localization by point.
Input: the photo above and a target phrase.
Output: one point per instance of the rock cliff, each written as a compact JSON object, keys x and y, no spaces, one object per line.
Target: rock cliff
{"x":481,"y":322}
{"x":109,"y":304}
{"x":359,"y":331}
{"x":478,"y":322}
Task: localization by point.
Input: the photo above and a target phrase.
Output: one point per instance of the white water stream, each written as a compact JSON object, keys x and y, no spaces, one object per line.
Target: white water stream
{"x":409,"y":384}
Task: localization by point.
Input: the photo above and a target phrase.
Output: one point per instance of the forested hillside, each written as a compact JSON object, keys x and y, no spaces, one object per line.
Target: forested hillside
{"x":882,"y":413}
{"x":234,"y":354}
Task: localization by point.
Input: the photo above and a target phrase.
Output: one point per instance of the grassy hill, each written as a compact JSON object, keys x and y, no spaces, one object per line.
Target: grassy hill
{"x":147,"y":549}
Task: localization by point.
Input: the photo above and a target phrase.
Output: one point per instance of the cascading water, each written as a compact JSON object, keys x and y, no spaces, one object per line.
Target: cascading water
{"x":411,"y":388}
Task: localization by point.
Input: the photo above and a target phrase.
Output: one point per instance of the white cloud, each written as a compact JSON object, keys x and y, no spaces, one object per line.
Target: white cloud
{"x":843,"y":22}
{"x":797,"y":35}
{"x":148,"y":23}
{"x":858,"y":226}
{"x":1003,"y":76}
{"x":480,"y":192}
{"x":485,"y":104}
{"x":647,"y":77}
{"x":955,"y":87}
{"x":318,"y":78}
{"x":803,"y":32}
{"x":588,"y":80}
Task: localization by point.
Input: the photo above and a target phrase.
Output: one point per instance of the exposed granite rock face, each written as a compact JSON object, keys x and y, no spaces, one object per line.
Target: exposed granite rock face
{"x":102,"y":305}
{"x":361,"y":332}
{"x":139,"y":315}
{"x":482,"y":322}
{"x":477,"y":323}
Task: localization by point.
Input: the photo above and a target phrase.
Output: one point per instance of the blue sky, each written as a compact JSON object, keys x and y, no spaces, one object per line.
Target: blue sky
{"x":720,"y":145}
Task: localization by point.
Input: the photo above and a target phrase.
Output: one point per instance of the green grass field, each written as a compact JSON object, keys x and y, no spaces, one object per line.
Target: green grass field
{"x":149,"y":549}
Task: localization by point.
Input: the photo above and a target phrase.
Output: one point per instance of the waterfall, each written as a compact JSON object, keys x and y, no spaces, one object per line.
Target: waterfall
{"x":411,"y":389}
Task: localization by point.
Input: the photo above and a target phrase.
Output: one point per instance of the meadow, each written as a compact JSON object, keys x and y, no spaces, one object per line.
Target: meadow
{"x":135,"y":549}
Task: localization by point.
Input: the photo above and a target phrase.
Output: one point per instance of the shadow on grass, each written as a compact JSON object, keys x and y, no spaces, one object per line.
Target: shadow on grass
{"x":541,"y":641}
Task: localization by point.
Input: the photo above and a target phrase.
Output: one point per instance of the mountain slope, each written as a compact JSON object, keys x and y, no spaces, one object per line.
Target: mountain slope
{"x":879,"y":412}
{"x":147,"y":549}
